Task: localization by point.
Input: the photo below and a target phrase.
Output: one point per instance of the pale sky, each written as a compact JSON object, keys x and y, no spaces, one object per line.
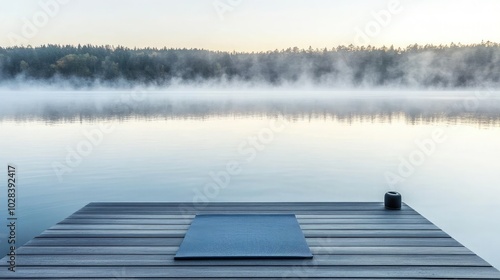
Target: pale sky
{"x":247,"y":25}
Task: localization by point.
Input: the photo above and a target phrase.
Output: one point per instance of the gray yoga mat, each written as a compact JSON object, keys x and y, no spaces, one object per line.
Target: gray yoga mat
{"x":236,"y":236}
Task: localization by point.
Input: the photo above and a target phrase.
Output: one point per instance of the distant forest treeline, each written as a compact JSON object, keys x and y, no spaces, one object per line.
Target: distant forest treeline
{"x":448,"y":66}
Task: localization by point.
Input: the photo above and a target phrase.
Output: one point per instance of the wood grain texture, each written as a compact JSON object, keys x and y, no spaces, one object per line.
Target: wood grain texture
{"x":138,"y":240}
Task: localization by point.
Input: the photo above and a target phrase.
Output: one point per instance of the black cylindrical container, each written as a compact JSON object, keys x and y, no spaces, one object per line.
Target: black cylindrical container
{"x":393,"y":201}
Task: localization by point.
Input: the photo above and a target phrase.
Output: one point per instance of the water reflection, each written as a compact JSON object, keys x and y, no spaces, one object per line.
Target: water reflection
{"x":457,"y":110}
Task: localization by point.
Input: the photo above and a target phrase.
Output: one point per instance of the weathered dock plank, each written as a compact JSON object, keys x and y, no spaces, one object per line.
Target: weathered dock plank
{"x":349,"y":240}
{"x":176,"y":272}
{"x":176,"y":241}
{"x":319,"y":260}
{"x":187,"y":221}
{"x":304,"y":226}
{"x":171,"y":250}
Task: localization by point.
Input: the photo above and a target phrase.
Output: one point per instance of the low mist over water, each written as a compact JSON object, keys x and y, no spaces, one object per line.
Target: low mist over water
{"x":480,"y":107}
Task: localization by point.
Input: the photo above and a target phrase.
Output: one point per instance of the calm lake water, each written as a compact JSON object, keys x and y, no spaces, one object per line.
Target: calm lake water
{"x":441,"y":150}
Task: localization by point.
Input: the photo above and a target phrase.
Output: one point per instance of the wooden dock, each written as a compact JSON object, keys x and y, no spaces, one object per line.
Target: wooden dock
{"x":348,"y":240}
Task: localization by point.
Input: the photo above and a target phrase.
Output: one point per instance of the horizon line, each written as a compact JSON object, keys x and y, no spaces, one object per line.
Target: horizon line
{"x":351,"y":47}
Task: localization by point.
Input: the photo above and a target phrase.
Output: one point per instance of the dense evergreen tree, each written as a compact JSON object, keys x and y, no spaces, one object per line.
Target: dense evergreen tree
{"x":452,"y":66}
